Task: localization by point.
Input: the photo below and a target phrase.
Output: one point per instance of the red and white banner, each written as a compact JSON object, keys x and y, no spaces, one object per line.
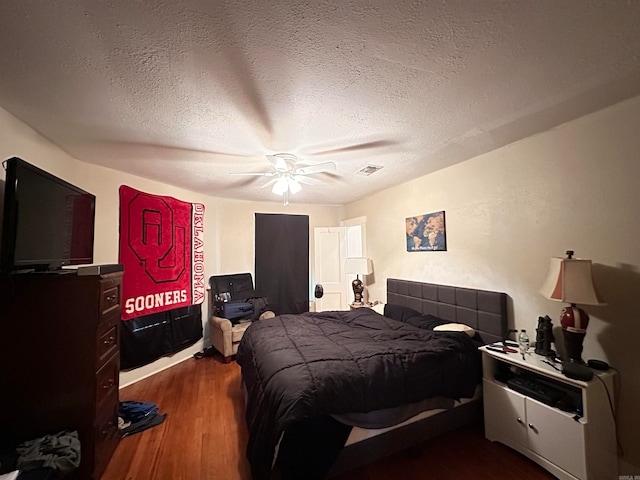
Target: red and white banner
{"x":162,"y":249}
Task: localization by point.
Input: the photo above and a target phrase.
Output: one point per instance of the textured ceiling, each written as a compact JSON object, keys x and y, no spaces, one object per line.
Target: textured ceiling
{"x":186,"y":92}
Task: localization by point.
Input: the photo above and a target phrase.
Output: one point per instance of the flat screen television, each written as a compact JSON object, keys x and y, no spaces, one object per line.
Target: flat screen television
{"x":47,"y":223}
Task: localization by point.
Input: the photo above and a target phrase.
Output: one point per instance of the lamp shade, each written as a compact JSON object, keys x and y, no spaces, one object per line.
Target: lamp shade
{"x":358,"y":265}
{"x":570,"y":281}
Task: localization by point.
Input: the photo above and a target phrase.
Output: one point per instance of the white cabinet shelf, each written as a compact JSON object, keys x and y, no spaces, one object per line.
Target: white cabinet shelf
{"x":579,"y":444}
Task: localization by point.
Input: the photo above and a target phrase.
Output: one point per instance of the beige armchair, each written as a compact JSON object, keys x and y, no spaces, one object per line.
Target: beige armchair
{"x":225,"y":337}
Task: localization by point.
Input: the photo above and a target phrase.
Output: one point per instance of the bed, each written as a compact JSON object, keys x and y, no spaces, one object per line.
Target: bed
{"x":309,"y":378}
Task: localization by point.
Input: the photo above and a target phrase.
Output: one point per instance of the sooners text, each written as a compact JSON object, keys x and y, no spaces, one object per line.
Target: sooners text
{"x":155,"y":300}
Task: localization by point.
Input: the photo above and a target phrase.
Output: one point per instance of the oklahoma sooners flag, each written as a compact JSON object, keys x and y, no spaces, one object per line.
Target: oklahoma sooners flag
{"x":161,"y":247}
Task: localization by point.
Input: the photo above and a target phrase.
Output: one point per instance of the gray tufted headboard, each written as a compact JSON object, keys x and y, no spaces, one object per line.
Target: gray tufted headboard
{"x":484,"y":311}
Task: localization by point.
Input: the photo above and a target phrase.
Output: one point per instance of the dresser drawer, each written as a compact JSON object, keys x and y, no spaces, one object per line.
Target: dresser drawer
{"x":106,"y":434}
{"x":107,"y":379}
{"x":109,"y":298}
{"x":108,"y":340}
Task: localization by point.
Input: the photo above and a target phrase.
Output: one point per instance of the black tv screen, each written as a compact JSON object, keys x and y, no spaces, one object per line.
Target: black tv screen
{"x":47,"y":222}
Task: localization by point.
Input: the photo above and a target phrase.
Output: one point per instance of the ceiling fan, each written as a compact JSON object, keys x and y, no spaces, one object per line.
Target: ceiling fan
{"x":287,"y":178}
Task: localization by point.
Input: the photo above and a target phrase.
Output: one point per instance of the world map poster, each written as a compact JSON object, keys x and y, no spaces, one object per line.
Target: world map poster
{"x":426,"y":232}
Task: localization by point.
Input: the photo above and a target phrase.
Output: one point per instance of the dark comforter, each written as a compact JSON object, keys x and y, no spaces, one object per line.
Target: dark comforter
{"x":299,"y":367}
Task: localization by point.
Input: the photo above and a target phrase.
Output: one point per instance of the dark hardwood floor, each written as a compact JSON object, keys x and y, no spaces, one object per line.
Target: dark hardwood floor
{"x":204,"y":437}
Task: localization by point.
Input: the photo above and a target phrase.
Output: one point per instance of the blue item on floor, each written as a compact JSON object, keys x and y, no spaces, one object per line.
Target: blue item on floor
{"x":135,"y":417}
{"x":135,"y":411}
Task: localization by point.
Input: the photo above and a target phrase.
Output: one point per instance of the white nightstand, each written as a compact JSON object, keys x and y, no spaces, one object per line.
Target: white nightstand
{"x":569,"y":445}
{"x":353,"y":306}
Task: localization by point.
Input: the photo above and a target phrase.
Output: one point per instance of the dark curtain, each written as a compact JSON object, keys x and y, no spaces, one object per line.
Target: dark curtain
{"x":145,"y":339}
{"x":282,"y":261}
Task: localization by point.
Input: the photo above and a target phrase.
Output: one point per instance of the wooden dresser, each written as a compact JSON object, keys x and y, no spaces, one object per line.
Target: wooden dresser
{"x":60,"y":362}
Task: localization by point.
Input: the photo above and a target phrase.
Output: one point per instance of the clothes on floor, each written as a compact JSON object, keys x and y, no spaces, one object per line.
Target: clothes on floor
{"x":59,"y":452}
{"x":135,"y":417}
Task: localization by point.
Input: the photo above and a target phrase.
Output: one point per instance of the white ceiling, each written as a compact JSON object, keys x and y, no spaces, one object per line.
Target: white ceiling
{"x":186,"y":92}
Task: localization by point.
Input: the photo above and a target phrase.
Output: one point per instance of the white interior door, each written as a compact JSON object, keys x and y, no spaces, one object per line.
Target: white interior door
{"x":329,"y":255}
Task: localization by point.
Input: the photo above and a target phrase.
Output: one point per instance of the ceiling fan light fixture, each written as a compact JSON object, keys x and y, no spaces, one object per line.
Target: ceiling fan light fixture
{"x":281,"y":186}
{"x":294,"y":186}
{"x":286,"y":184}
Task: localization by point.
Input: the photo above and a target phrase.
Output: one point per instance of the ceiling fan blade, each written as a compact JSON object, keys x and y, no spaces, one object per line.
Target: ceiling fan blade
{"x":245,"y":182}
{"x":358,"y":146}
{"x":306,"y":180}
{"x":270,"y":182}
{"x":255,"y":174}
{"x":277,"y":162}
{"x":318,"y":168}
{"x":282,"y":162}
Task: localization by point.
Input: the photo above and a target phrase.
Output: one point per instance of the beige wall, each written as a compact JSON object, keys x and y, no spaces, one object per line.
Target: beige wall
{"x":509,"y":211}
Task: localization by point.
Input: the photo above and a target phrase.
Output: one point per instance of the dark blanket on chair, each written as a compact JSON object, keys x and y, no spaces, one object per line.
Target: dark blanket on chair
{"x":299,"y":367}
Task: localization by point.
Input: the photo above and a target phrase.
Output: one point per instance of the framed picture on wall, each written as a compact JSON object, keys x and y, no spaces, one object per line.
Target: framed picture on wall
{"x":426,"y":233}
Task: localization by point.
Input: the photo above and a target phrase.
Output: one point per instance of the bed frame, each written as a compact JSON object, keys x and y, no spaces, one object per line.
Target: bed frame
{"x":483,"y":310}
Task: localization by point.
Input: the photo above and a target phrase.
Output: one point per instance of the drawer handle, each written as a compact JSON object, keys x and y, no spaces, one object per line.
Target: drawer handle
{"x":112,"y":297}
{"x":110,"y":341}
{"x":108,"y":385}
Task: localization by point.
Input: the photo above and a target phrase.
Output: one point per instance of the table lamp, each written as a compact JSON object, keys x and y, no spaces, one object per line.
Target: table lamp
{"x":570,"y":281}
{"x":357,"y":266}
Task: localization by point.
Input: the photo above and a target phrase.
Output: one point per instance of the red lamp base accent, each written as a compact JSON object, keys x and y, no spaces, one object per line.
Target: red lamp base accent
{"x":574,"y":319}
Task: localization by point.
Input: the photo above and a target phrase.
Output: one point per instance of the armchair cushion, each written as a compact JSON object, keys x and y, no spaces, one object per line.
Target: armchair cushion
{"x":225,"y":336}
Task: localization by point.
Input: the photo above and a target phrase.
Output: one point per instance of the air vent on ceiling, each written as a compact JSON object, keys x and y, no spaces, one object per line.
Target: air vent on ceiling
{"x":369,"y":169}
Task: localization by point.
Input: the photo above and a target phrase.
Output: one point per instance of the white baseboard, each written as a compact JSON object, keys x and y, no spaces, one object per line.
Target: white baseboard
{"x":129,"y":377}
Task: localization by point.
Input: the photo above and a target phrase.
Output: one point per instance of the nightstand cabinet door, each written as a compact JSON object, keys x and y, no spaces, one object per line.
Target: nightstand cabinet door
{"x":505,"y":412}
{"x":557,"y":437}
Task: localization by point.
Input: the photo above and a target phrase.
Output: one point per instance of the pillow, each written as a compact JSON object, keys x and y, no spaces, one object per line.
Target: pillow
{"x":378,"y":308}
{"x":426,"y":322}
{"x":400,"y":313}
{"x":455,"y":327}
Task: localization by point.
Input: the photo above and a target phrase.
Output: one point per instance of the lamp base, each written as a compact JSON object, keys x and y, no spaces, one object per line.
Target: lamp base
{"x":357,"y":291}
{"x":573,"y":345}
